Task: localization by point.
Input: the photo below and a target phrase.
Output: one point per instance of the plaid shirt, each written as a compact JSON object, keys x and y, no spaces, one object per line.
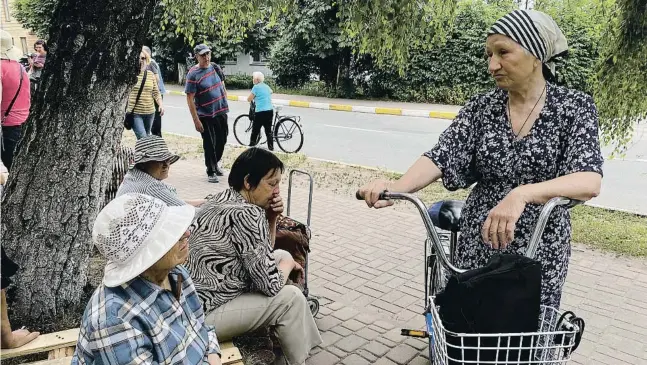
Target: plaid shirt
{"x":141,"y":323}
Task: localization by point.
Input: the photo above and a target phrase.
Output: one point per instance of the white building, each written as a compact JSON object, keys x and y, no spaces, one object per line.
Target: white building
{"x":246,"y":64}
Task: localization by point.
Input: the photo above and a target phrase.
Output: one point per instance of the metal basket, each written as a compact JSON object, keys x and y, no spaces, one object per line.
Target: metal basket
{"x":552,"y":344}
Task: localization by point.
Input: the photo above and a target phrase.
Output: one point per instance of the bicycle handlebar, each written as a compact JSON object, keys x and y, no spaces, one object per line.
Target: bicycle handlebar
{"x":431,"y":229}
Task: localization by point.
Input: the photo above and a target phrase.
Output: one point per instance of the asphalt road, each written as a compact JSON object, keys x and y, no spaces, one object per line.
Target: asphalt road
{"x":394,"y":142}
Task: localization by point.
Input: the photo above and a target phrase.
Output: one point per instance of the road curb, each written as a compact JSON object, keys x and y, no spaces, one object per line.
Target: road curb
{"x":435,"y":114}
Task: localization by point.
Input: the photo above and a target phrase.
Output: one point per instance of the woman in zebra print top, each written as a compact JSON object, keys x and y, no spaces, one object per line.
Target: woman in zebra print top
{"x":240,"y":280}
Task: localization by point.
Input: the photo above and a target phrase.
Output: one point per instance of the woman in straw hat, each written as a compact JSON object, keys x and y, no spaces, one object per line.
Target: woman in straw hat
{"x":147,"y":310}
{"x":152,"y":163}
{"x":523,"y":143}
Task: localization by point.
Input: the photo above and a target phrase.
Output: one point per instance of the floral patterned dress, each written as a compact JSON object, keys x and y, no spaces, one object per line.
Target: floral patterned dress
{"x":480,"y":147}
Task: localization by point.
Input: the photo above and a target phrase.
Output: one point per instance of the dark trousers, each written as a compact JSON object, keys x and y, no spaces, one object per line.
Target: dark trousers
{"x":10,"y":138}
{"x":214,"y":139}
{"x":156,"y":130}
{"x":262,"y":119}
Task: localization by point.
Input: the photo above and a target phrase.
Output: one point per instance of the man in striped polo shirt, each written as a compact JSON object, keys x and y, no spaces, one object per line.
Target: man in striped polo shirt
{"x":207,"y":99}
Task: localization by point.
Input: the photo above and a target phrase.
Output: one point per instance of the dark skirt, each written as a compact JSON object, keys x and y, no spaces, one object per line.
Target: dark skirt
{"x":9,"y":268}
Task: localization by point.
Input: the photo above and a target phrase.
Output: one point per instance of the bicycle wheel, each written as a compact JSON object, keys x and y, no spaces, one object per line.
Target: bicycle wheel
{"x":288,"y":135}
{"x":243,"y":130}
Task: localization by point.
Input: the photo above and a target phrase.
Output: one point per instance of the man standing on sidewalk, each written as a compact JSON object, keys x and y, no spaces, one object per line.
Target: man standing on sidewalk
{"x":207,"y":99}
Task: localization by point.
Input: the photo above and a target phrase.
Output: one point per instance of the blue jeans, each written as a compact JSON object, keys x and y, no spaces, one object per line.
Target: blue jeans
{"x":142,"y":124}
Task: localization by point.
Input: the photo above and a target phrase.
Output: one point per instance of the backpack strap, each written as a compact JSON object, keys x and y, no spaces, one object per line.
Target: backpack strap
{"x":218,"y":71}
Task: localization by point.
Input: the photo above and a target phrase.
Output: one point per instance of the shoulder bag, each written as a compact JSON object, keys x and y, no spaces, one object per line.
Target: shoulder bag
{"x":128,"y":119}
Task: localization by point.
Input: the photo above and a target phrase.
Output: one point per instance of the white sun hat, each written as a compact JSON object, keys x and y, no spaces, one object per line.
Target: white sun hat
{"x":7,"y":50}
{"x":134,"y":231}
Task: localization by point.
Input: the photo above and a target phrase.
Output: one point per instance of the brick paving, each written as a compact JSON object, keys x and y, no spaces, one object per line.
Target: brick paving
{"x":366,"y":267}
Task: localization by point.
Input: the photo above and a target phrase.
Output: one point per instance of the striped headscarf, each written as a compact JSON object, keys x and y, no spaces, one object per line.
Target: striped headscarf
{"x":535,"y":31}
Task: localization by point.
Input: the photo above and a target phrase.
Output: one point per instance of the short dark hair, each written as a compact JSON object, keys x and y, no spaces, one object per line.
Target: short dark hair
{"x":42,"y":43}
{"x":254,"y":163}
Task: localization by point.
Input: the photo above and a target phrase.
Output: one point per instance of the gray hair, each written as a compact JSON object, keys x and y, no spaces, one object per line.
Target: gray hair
{"x":257,"y":75}
{"x":147,"y":50}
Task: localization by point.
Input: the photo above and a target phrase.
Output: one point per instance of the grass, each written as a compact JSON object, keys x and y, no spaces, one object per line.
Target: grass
{"x":618,"y":232}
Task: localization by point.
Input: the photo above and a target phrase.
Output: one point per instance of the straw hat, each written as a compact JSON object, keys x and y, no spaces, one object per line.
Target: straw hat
{"x":153,"y":148}
{"x":7,"y":50}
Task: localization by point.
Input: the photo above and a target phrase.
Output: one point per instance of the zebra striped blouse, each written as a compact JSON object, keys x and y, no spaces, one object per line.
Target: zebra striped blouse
{"x":229,"y":251}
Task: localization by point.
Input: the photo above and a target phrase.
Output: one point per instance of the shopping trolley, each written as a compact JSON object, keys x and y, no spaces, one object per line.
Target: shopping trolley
{"x":558,"y":333}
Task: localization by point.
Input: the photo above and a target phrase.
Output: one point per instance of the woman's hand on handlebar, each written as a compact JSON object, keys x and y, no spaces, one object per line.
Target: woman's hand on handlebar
{"x":498,"y":229}
{"x":371,"y":193}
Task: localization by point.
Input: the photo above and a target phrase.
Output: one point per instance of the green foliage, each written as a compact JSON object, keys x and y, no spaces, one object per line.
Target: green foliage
{"x":450,"y":73}
{"x":35,"y":14}
{"x":310,"y":43}
{"x":290,"y":64}
{"x":621,"y":75}
{"x":390,"y":29}
{"x":387,"y":29}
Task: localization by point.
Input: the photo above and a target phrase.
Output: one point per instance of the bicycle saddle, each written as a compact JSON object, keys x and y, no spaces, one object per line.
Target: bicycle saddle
{"x":446,"y":214}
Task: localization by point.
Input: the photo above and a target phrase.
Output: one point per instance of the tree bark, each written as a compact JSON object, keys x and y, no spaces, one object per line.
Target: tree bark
{"x":63,"y":163}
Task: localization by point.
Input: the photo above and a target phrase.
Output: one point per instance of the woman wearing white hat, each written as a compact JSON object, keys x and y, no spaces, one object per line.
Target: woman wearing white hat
{"x":147,"y":310}
{"x":152,"y":163}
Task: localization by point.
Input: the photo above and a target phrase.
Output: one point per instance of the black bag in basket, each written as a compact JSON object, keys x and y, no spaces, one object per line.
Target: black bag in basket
{"x":502,"y":297}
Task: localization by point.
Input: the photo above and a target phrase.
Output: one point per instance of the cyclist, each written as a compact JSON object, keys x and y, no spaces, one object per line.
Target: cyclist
{"x":261,"y":95}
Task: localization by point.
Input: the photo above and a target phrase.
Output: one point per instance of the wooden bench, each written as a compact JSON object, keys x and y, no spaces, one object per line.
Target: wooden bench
{"x":60,"y":348}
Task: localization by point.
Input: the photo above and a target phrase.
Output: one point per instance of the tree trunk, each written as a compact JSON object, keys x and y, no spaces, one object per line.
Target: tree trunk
{"x":63,"y":162}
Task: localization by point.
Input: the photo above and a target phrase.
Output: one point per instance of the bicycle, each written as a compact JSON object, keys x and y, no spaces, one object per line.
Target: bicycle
{"x":285,"y":128}
{"x":558,"y":334}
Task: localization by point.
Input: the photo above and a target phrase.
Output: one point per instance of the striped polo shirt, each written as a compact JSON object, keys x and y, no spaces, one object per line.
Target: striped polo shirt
{"x":209,"y":90}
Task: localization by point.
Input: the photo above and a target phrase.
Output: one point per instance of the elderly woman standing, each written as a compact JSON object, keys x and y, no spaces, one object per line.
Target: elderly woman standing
{"x":153,"y":161}
{"x":523,"y":143}
{"x":146,"y":311}
{"x":261,"y":95}
{"x":143,"y":97}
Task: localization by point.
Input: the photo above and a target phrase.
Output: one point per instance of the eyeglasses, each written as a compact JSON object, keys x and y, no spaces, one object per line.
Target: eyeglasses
{"x":143,"y":58}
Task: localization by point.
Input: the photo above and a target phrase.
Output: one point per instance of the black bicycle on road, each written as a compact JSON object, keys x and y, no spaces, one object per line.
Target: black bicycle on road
{"x":286,"y":131}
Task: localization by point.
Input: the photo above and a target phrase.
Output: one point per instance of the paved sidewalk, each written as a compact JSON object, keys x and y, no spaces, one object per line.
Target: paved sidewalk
{"x":367,"y":267}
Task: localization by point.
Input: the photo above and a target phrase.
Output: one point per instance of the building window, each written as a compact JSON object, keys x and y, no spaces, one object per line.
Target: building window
{"x":23,"y":43}
{"x":7,"y":16}
{"x":259,"y":58}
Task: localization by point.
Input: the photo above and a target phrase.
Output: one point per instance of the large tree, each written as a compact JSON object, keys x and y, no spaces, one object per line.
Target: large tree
{"x":62,"y":164}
